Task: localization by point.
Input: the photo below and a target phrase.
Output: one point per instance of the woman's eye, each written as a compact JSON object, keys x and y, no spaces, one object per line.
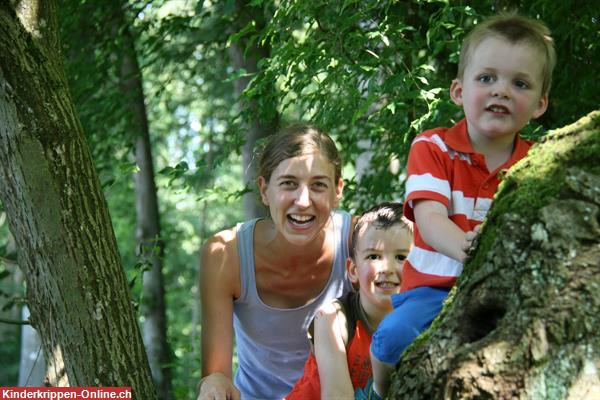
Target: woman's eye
{"x":287,"y":184}
{"x":320,"y":185}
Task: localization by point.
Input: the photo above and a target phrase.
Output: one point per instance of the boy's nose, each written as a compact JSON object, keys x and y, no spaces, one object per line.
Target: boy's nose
{"x":389,"y":265}
{"x":500,"y":90}
{"x":303,"y":199}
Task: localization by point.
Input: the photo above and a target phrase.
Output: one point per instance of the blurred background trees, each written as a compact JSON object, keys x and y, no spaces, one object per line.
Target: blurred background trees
{"x":214,"y":78}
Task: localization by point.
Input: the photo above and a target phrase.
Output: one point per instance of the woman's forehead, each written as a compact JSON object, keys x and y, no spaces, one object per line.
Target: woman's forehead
{"x":314,"y":164}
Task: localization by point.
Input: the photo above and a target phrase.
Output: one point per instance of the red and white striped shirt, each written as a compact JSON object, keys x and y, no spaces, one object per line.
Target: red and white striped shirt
{"x":443,"y":166}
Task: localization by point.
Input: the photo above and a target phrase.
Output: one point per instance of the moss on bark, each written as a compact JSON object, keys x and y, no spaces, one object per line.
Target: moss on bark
{"x":523,"y":319}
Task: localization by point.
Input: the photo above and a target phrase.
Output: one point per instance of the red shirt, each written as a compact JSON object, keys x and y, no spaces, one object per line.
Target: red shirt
{"x":443,"y":166}
{"x":308,"y":386}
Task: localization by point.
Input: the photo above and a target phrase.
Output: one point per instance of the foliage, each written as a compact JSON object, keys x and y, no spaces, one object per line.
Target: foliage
{"x":369,"y":72}
{"x":373,"y":73}
{"x":376,"y":73}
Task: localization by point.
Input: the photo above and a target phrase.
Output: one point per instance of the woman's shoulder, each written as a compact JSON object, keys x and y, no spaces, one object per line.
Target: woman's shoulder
{"x":221,"y":242}
{"x":220,"y":250}
{"x":220,"y":262}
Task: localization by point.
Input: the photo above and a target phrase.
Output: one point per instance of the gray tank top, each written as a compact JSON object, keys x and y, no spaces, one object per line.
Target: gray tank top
{"x":272,"y":345}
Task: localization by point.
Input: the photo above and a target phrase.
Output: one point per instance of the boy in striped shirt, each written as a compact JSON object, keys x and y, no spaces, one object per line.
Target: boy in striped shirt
{"x":503,"y":79}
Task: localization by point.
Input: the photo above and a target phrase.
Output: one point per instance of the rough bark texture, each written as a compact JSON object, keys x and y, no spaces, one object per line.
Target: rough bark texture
{"x":151,"y":246}
{"x":259,"y":125}
{"x":77,"y":289}
{"x":523,"y":321}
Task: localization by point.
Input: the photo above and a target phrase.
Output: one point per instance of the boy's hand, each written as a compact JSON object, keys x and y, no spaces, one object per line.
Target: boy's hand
{"x":471,"y":240}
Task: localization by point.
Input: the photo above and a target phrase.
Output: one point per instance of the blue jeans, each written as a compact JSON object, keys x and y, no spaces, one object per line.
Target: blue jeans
{"x":413,"y":312}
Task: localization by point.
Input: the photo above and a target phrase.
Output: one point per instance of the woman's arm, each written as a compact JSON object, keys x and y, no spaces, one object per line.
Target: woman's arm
{"x":219,"y":286}
{"x":330,"y":339}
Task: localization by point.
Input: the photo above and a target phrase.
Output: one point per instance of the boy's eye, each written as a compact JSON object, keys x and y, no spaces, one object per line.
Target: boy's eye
{"x":372,"y":257}
{"x":485,"y":78}
{"x":400,"y":257}
{"x":521,"y":84}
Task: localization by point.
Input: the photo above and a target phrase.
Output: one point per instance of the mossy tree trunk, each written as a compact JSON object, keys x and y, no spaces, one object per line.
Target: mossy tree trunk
{"x":524,"y":319}
{"x":76,"y":287}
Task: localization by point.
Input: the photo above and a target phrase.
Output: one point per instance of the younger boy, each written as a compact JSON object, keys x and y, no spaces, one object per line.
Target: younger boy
{"x":503,"y":79}
{"x":342,"y":332}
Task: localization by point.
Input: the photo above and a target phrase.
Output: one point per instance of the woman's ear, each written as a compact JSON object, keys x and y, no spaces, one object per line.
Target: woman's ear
{"x":339,"y":189}
{"x":262,"y":188}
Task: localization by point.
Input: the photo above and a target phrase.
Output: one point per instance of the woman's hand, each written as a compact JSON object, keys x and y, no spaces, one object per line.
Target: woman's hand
{"x":218,"y":386}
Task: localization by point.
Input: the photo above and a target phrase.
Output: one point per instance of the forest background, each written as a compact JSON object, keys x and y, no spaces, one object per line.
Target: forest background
{"x":175,"y":98}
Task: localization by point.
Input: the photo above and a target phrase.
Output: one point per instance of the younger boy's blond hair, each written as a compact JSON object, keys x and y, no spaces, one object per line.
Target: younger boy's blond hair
{"x":515,"y":29}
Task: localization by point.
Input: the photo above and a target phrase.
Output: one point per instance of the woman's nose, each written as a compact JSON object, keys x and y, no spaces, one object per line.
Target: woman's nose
{"x":303,"y":199}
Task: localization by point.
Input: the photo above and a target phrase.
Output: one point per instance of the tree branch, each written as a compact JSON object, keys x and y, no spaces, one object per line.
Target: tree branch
{"x":9,"y":262}
{"x":15,"y":321}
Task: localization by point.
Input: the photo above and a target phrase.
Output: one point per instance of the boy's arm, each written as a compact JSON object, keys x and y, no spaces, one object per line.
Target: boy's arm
{"x":330,"y":352}
{"x":438,"y":231}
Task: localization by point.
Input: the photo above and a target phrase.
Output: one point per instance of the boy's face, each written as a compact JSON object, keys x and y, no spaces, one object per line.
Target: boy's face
{"x":501,"y":89}
{"x":380,"y":254}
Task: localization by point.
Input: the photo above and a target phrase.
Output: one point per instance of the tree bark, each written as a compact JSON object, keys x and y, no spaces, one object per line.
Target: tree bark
{"x":76,"y":287}
{"x":259,"y":122}
{"x":523,"y":321}
{"x":150,"y":244}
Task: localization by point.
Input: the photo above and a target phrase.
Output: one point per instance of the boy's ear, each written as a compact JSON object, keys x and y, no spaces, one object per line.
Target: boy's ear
{"x":262,"y":188}
{"x":456,"y":92}
{"x":352,"y":271}
{"x":541,"y":108}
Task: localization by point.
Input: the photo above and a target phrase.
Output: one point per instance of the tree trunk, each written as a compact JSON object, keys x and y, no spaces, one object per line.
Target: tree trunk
{"x":259,"y":122}
{"x":76,"y":287}
{"x":151,"y":246}
{"x":523,"y":320}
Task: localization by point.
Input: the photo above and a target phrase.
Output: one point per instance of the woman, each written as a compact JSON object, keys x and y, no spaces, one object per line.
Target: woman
{"x":265,"y":278}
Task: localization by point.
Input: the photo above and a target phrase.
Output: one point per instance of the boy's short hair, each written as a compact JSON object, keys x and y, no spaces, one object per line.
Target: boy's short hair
{"x":516,"y":29}
{"x":382,"y":216}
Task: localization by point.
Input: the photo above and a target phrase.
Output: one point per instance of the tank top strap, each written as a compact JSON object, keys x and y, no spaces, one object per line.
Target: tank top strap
{"x":342,"y":222}
{"x":245,"y":245}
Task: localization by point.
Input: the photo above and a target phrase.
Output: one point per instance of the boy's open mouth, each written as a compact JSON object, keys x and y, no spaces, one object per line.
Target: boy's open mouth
{"x":387,"y":284}
{"x":497,"y":109}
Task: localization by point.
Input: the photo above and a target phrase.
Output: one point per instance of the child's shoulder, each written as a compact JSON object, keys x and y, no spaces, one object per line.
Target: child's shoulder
{"x":443,"y":138}
{"x":340,"y":312}
{"x":434,"y":135}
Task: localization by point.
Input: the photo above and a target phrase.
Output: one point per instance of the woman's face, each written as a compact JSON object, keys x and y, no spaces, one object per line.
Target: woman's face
{"x":300,"y":195}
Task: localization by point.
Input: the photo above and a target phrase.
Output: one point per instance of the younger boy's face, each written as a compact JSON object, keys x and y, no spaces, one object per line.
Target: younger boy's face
{"x":380,"y":254}
{"x":501,"y":89}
